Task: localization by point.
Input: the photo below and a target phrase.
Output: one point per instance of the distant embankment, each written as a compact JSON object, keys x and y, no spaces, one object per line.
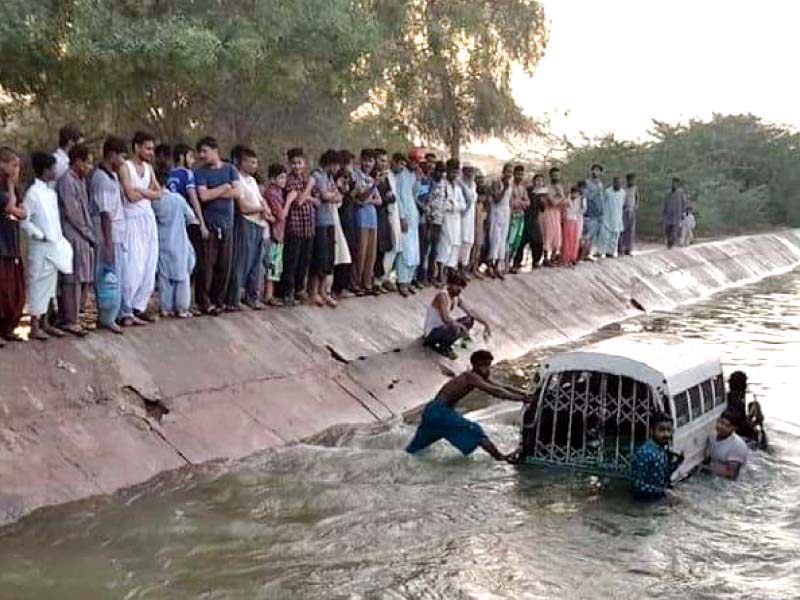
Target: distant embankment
{"x":85,"y":417}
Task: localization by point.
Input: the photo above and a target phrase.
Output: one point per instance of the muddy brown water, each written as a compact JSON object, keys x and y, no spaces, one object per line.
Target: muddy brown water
{"x":353,"y":516}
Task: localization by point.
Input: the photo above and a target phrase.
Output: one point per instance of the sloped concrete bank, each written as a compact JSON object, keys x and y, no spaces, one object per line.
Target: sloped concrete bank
{"x":83,"y":417}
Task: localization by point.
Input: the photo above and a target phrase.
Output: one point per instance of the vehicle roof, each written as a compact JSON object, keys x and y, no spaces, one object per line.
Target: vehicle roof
{"x":664,"y":361}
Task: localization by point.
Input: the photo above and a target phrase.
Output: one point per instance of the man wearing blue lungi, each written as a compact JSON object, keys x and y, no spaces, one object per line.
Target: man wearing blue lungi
{"x":441,"y":420}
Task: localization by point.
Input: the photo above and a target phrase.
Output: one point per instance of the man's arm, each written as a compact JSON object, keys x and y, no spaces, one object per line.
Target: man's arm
{"x":477,"y":317}
{"x":496,"y":390}
{"x":31,"y":205}
{"x":729,"y":470}
{"x":131,"y":193}
{"x":194,"y":202}
{"x":153,"y":191}
{"x":209,"y":195}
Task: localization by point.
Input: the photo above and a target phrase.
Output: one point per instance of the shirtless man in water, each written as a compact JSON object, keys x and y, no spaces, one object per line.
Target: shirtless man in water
{"x":441,"y":420}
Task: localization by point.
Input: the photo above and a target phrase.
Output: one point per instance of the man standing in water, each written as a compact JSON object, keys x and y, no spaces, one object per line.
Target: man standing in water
{"x":653,"y":463}
{"x":441,"y":420}
{"x":726,"y":452}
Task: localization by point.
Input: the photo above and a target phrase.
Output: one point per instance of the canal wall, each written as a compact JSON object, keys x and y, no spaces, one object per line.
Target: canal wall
{"x":86,"y":417}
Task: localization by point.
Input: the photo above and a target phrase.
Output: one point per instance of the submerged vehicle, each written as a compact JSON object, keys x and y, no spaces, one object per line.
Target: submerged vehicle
{"x":593,"y":405}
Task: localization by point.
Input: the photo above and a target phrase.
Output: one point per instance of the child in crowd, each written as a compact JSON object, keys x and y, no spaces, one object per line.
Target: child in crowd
{"x":176,"y":258}
{"x":275,"y":195}
{"x":302,"y":198}
{"x":688,"y":223}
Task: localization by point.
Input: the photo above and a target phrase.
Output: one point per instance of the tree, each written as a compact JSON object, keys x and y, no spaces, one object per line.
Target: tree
{"x":740,"y":173}
{"x":445,"y":67}
{"x":242,"y":69}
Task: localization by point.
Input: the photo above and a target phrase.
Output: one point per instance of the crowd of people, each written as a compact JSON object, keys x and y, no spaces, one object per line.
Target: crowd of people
{"x":217,"y":235}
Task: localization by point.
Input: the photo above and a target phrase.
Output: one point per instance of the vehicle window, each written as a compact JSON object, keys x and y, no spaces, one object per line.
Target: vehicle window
{"x":708,"y":395}
{"x":682,"y":409}
{"x":719,"y":390}
{"x":696,"y":401}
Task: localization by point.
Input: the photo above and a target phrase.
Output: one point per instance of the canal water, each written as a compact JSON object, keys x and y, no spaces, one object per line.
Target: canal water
{"x":352,"y":516}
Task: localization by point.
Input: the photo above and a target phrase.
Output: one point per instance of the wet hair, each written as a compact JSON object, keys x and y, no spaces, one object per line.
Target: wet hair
{"x":79,"y":152}
{"x":480,"y":356}
{"x":140,"y":138}
{"x":67,"y":134}
{"x":114,"y":145}
{"x":293,"y":153}
{"x":328,"y":158}
{"x":180,"y":151}
{"x":207,"y":142}
{"x":659,"y":417}
{"x":738,"y":380}
{"x":398,"y":157}
{"x":597,"y":166}
{"x":275,"y":169}
{"x":452,"y":164}
{"x":367,"y":153}
{"x":41,"y":162}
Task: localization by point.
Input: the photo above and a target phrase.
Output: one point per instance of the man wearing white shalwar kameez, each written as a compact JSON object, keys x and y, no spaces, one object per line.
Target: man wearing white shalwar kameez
{"x":454,"y":207}
{"x":49,"y":252}
{"x":611,"y":224}
{"x":470,"y":191}
{"x":499,"y":221}
{"x":408,"y":259}
{"x":141,"y":233}
{"x":390,"y":257}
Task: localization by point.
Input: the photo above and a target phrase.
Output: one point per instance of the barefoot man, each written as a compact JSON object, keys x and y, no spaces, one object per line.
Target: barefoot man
{"x":441,"y":420}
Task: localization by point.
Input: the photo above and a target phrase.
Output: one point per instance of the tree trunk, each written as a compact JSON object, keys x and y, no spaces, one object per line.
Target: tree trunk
{"x":454,"y":142}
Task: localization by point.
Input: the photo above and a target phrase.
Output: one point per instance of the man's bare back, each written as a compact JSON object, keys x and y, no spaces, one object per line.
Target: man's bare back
{"x":441,"y":420}
{"x":454,"y":390}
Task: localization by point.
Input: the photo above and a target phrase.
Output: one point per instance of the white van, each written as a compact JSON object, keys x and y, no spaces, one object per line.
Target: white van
{"x":594,"y":404}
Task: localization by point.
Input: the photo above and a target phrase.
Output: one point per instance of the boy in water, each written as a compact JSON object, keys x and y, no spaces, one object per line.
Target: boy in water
{"x":441,"y":420}
{"x":653,"y":463}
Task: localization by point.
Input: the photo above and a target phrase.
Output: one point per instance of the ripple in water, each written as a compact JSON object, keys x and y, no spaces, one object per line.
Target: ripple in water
{"x":353,"y":516}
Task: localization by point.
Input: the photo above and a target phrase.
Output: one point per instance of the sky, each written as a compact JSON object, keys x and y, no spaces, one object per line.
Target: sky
{"x":613,"y":65}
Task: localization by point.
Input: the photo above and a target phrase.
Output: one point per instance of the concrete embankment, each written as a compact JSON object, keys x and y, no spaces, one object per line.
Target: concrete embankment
{"x":84,"y":417}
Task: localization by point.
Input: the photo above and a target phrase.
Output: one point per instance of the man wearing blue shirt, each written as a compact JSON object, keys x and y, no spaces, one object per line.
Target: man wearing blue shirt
{"x":180,"y":180}
{"x":653,"y":463}
{"x":215,"y":188}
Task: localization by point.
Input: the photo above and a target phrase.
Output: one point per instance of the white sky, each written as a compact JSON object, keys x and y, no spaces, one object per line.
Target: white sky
{"x":612,"y":65}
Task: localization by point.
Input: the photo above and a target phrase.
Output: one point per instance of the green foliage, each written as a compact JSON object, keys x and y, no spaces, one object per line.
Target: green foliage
{"x":739,"y":172}
{"x":255,"y":70}
{"x":446,"y":65}
{"x":246,"y":70}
